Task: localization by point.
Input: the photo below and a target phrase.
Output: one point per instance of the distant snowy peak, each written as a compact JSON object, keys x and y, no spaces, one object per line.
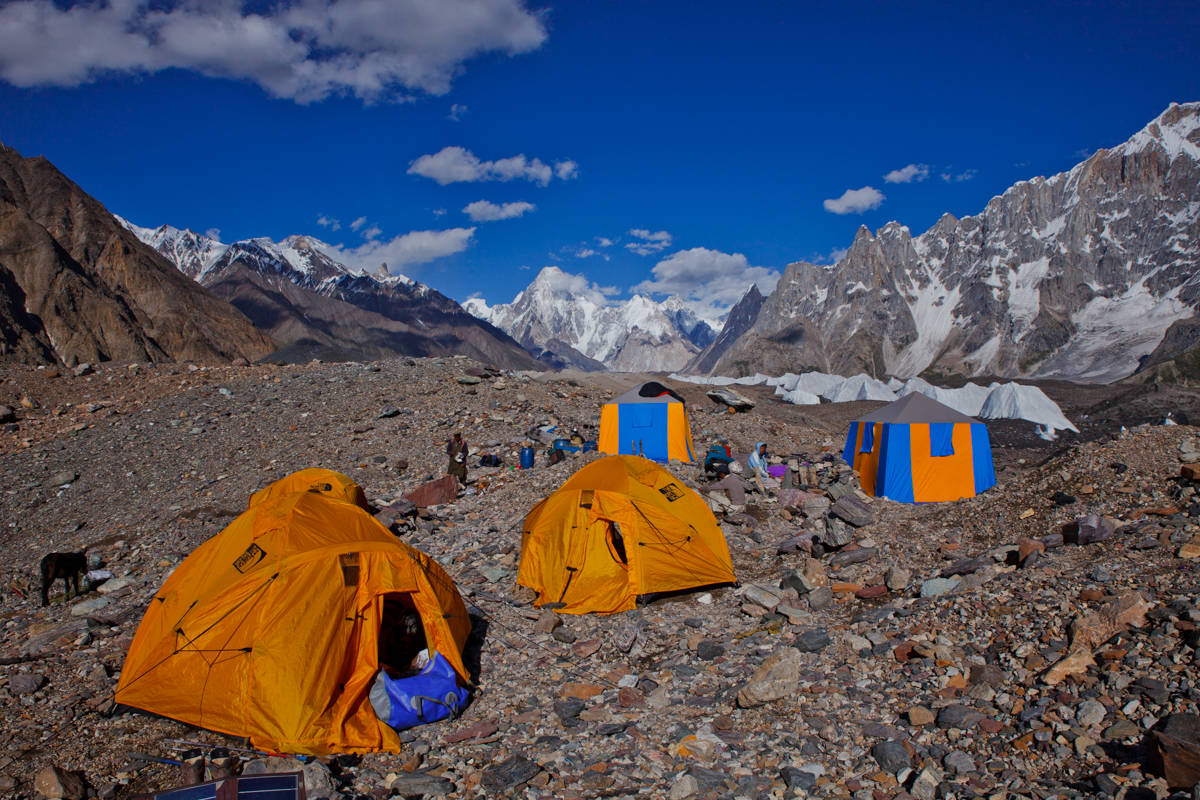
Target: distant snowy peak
{"x":560,"y":310}
{"x":1077,"y":276}
{"x":192,"y":253}
{"x":304,"y":259}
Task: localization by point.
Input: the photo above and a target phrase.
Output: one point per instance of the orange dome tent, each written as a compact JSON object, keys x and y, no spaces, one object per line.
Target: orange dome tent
{"x":272,"y":628}
{"x":619,"y":528}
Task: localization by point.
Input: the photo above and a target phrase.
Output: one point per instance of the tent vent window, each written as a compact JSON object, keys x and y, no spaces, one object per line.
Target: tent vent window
{"x":349,"y":564}
{"x":868,"y":439}
{"x":585,"y":498}
{"x":941,"y":439}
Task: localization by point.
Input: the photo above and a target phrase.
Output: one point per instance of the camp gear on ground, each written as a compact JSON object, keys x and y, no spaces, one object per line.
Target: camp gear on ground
{"x":430,"y":695}
{"x":654,"y":426}
{"x":272,"y":628}
{"x":490,"y":460}
{"x":671,"y":540}
{"x":526,"y":458}
{"x":457,"y":450}
{"x":917,"y":450}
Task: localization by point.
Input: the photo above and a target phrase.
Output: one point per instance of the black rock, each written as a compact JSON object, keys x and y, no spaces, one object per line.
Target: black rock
{"x":820,"y":597}
{"x":420,"y":784}
{"x":965,"y":566}
{"x":1153,"y":689}
{"x":509,"y":774}
{"x":958,"y":716}
{"x":1062,"y":499}
{"x":813,"y":640}
{"x":709,"y":649}
{"x":568,"y":711}
{"x":798,"y":779}
{"x":794,"y":580}
{"x":389,"y":412}
{"x":891,"y":756}
{"x":845,"y":558}
{"x":694,"y":622}
{"x":1088,"y":530}
{"x":851,"y":509}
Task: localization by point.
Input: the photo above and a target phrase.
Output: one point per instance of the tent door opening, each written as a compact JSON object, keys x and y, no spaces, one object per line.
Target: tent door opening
{"x":401,"y":635}
{"x":616,"y":544}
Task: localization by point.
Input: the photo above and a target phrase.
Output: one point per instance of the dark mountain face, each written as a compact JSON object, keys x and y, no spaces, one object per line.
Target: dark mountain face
{"x":1077,"y":276}
{"x":317,"y":303}
{"x":741,"y":318}
{"x":78,"y":286}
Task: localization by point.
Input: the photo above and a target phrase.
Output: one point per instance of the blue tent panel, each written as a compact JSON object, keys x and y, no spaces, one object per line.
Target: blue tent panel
{"x":941,"y":438}
{"x":981,"y":456}
{"x":851,"y":438}
{"x":642,"y":428}
{"x":895,"y":479}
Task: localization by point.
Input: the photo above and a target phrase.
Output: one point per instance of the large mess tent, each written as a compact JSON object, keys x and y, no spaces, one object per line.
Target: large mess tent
{"x":276,"y":628}
{"x":649,"y":420}
{"x":917,"y":450}
{"x":619,"y":528}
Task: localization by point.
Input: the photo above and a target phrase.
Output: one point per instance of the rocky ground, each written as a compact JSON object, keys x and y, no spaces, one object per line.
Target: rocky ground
{"x":994,"y":647}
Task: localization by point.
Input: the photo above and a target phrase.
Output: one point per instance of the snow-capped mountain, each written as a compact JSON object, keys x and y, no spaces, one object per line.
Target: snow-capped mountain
{"x":314,"y":305}
{"x":1075,"y":276}
{"x":560,"y":317}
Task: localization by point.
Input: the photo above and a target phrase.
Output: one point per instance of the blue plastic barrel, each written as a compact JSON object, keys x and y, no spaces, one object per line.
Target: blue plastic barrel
{"x":526,"y":458}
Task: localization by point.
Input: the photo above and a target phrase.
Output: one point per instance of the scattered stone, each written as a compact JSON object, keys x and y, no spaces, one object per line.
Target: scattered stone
{"x":939,"y":586}
{"x":388,"y":412}
{"x":685,"y":788}
{"x":55,"y":783}
{"x":62,"y":478}
{"x":958,"y":716}
{"x":1176,"y":753}
{"x":1088,"y":530}
{"x":509,"y":775}
{"x":419,"y":784}
{"x":775,"y":679}
{"x":845,"y":558}
{"x":966,"y":566}
{"x":434,"y":493}
{"x":853,"y":511}
{"x":820,"y":598}
{"x":90,"y":606}
{"x":897,"y":578}
{"x":920,"y":716}
{"x":26,"y":682}
{"x":891,"y":756}
{"x":709,"y":649}
{"x":468,"y":380}
{"x":812,"y":641}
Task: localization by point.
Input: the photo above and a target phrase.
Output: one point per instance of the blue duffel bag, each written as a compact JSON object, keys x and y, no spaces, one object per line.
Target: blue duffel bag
{"x":430,"y":695}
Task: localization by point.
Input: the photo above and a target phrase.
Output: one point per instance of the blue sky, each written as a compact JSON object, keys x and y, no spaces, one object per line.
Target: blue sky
{"x":689,"y":146}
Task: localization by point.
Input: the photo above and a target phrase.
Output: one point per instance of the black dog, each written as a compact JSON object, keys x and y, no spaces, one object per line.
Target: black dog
{"x":67,"y":566}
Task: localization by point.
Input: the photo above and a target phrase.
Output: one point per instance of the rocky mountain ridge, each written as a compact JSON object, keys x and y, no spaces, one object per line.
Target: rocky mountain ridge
{"x":316,"y":306}
{"x":582,"y":329}
{"x":1076,"y":276}
{"x":78,"y":287}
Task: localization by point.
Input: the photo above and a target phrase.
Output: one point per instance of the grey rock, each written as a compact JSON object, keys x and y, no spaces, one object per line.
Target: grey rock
{"x":26,"y":682}
{"x":958,"y":762}
{"x":966,"y":566}
{"x":568,"y":711}
{"x":836,"y":534}
{"x":420,"y":784}
{"x":820,"y":598}
{"x":897,"y":578}
{"x":812,"y":641}
{"x":709,"y":649}
{"x":776,"y":678}
{"x":958,"y":716}
{"x":388,"y":412}
{"x":938,"y":586}
{"x":844,"y":558}
{"x":318,"y":781}
{"x":62,"y":478}
{"x":925,"y":785}
{"x":685,"y":788}
{"x":55,"y":783}
{"x":6,"y":414}
{"x":89,"y":606}
{"x":1090,"y":712}
{"x":1100,"y":574}
{"x":1088,"y":530}
{"x":509,"y":774}
{"x":852,"y":509}
{"x":624,"y":637}
{"x":891,"y":756}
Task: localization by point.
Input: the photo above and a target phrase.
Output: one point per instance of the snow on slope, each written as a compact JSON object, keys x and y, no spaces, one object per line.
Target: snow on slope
{"x":997,"y":401}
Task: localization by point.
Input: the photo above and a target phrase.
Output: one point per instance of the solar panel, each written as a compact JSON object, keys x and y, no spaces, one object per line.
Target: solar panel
{"x":281,"y":786}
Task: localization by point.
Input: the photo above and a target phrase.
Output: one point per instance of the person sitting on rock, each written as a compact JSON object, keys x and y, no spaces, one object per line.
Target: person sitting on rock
{"x":757,"y":464}
{"x":457,"y":451}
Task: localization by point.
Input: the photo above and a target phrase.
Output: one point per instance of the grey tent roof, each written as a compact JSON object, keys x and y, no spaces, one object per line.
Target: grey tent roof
{"x":633,"y":396}
{"x":916,"y":407}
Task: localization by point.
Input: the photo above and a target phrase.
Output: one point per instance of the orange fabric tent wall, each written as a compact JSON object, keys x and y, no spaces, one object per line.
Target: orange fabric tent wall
{"x":269,"y":629}
{"x":671,"y":539}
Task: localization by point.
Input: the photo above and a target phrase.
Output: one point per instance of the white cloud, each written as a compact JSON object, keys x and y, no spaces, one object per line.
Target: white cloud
{"x":603,"y":241}
{"x":485,"y":211}
{"x":965,"y":175}
{"x":358,"y":223}
{"x":213,"y":233}
{"x":305,"y":50}
{"x":439,"y":212}
{"x":459,"y":165}
{"x":710,"y":281}
{"x":329,"y":222}
{"x":456,"y":111}
{"x":913,"y":173}
{"x":372,"y":232}
{"x":565,"y":170}
{"x":577,"y":285}
{"x":415,"y":247}
{"x":855,"y":201}
{"x":648,"y":243}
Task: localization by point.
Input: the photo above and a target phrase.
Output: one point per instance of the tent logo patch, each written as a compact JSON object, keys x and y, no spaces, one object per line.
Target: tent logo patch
{"x":671,"y":491}
{"x":250,"y":558}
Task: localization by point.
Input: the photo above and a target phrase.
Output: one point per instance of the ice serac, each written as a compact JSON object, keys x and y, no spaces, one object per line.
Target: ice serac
{"x":740,"y":318}
{"x":315,"y":306}
{"x":566,"y":322}
{"x":1077,"y":276}
{"x":78,"y":286}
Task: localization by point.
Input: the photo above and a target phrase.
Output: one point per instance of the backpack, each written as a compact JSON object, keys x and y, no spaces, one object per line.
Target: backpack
{"x":430,"y":695}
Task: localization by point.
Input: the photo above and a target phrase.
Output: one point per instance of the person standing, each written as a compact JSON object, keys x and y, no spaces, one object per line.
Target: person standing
{"x":457,"y":450}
